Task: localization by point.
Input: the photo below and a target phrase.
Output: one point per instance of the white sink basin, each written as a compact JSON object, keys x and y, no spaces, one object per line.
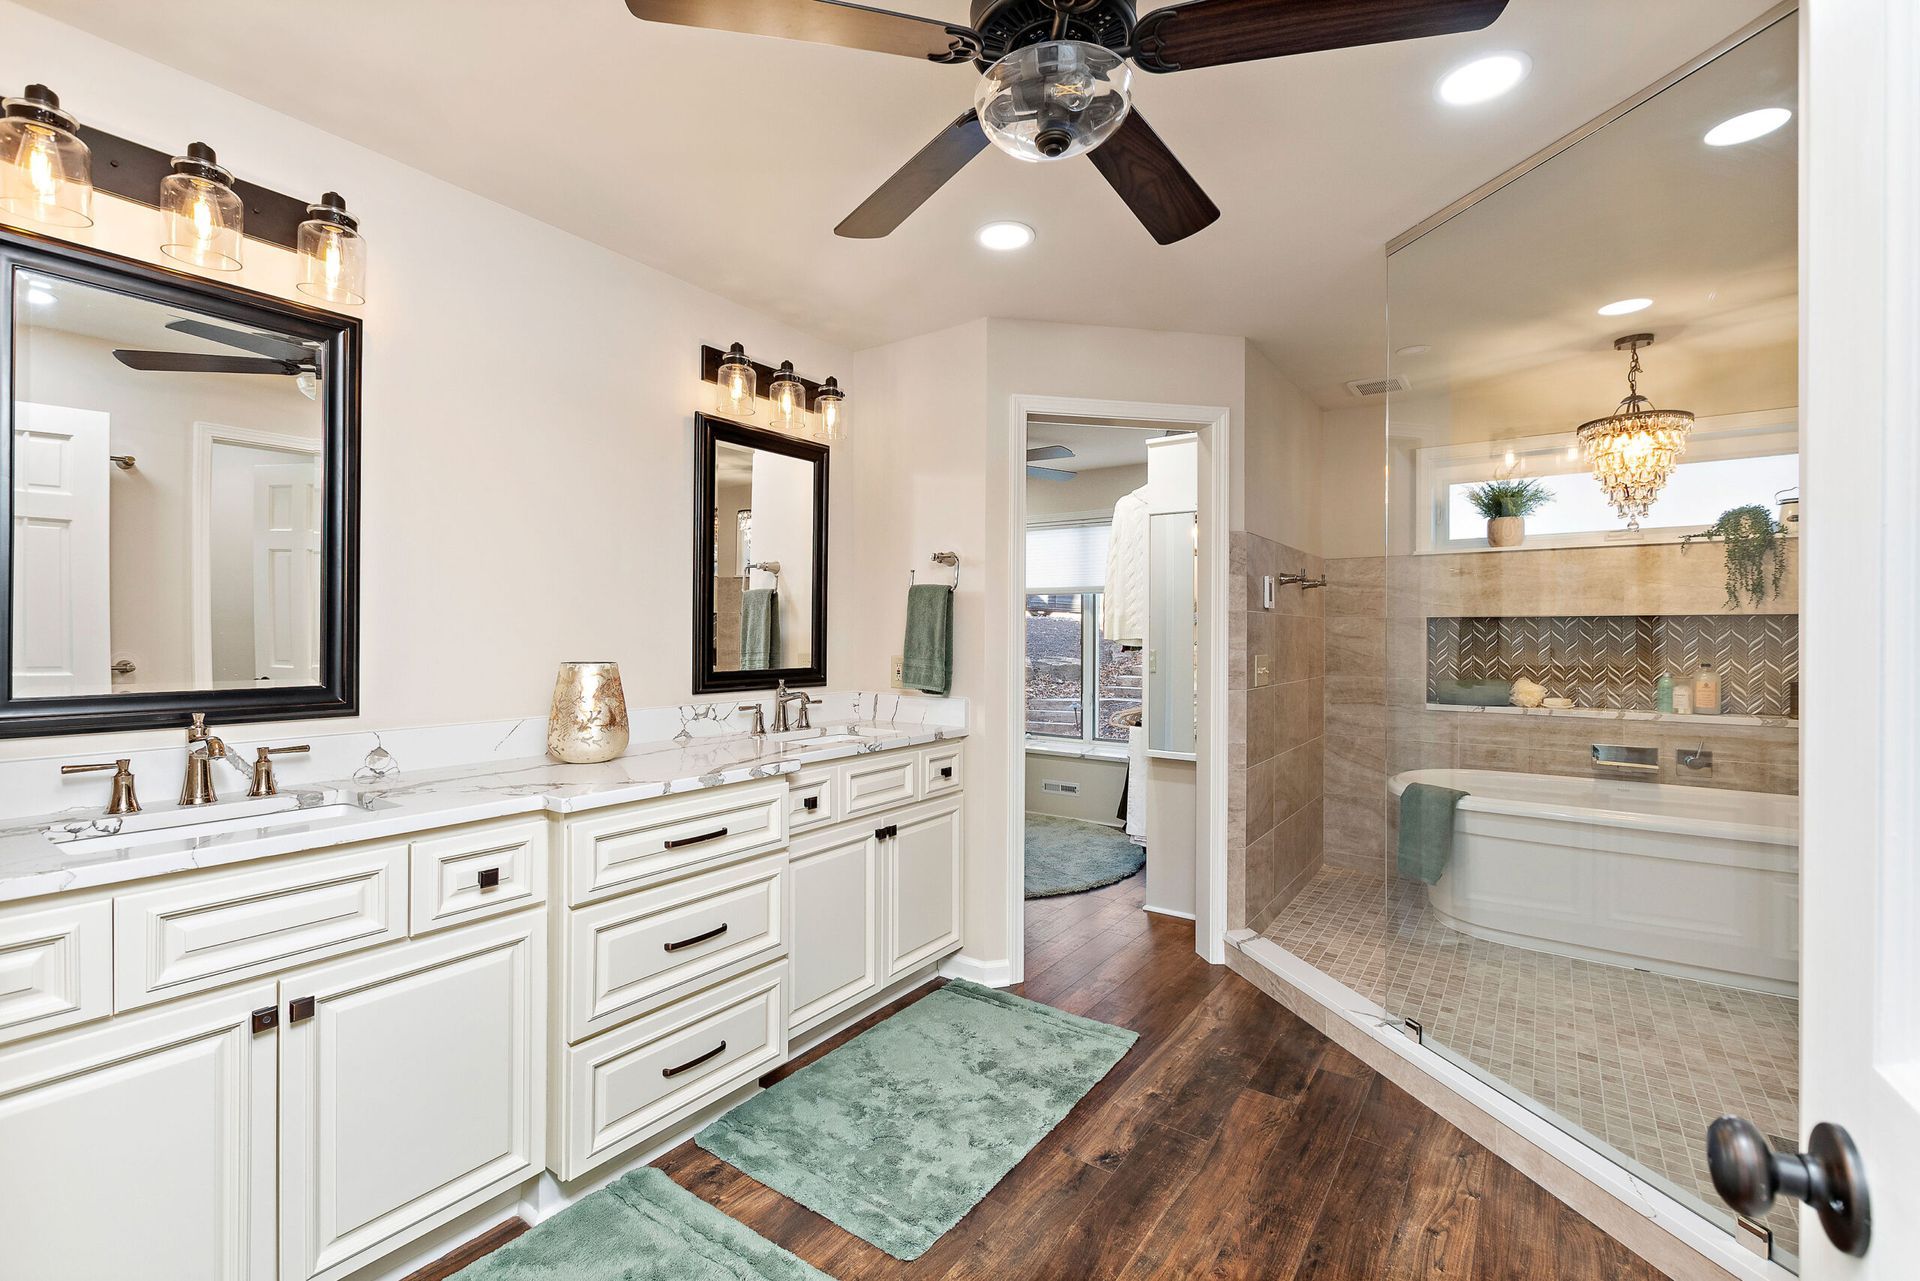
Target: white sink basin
{"x":247,"y":817}
{"x":811,"y":740}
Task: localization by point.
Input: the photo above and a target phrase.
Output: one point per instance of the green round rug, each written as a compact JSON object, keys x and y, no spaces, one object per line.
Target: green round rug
{"x":1067,"y":856}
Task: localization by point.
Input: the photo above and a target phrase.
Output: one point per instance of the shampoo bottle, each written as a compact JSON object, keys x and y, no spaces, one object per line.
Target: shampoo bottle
{"x":1706,"y":691}
{"x":1663,"y":693}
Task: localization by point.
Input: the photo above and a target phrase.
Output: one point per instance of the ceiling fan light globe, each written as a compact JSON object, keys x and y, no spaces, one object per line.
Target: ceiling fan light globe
{"x":1054,"y":100}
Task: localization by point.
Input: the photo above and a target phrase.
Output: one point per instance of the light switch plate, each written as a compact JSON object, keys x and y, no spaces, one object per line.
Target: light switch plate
{"x":899,"y":661}
{"x":1262,"y":669}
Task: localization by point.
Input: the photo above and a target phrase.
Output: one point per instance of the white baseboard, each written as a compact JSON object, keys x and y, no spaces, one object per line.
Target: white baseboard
{"x":985,"y":973}
{"x":1168,"y":911}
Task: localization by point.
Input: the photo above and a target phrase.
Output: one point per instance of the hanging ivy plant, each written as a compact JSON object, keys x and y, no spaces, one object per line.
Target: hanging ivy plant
{"x":1756,"y":552}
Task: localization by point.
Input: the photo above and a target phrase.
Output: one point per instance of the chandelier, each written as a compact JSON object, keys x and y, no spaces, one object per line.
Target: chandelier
{"x":1632,"y":452}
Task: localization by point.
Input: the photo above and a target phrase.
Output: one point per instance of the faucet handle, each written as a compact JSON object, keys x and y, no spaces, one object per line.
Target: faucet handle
{"x":759,"y":718}
{"x":264,"y":783}
{"x":197,"y":730}
{"x":124,"y":801}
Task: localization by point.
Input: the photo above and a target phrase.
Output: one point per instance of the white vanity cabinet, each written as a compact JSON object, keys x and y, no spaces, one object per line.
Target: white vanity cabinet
{"x":922,"y":871}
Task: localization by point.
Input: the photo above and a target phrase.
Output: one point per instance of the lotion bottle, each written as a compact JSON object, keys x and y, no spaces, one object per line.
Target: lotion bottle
{"x":1706,"y":691}
{"x":1663,"y":693}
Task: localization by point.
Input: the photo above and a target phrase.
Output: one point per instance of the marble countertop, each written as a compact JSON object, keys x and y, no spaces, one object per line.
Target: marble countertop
{"x":33,"y":865}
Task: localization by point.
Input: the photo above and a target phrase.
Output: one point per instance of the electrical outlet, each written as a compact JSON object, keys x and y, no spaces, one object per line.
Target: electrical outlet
{"x":1262,"y":669}
{"x":899,"y":661}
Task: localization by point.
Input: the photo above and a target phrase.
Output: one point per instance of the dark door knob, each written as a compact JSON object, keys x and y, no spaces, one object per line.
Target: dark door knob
{"x":1828,"y":1176}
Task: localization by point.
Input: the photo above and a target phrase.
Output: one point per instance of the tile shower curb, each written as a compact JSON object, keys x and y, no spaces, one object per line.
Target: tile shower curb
{"x":1647,"y":1221}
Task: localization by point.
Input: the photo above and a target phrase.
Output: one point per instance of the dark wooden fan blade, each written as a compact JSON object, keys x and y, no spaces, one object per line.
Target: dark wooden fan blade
{"x":1047,"y":453}
{"x":836,"y":22}
{"x":187,"y":362}
{"x":1158,"y":188}
{"x":1211,"y":33}
{"x":258,"y":344}
{"x":916,"y":180}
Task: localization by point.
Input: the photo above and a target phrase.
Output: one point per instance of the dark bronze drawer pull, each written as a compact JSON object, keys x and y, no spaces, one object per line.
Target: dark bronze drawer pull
{"x":489,"y":877}
{"x":299,"y":1009}
{"x":946,"y":771}
{"x":697,"y":939}
{"x":810,"y":802}
{"x":690,"y":1064}
{"x":714,"y":835}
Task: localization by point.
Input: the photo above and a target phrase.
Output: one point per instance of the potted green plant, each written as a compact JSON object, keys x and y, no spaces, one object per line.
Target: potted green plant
{"x":1506,"y":504}
{"x":1756,"y":552}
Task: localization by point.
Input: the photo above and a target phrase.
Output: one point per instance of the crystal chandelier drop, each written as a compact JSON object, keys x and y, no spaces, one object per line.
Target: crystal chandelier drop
{"x":1632,"y":452}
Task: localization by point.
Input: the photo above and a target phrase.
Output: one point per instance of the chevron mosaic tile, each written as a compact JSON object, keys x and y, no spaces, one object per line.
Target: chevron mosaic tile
{"x":1612,"y":662}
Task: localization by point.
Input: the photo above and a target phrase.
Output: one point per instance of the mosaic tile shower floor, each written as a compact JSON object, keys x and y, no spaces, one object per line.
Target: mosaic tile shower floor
{"x":1643,"y":1062}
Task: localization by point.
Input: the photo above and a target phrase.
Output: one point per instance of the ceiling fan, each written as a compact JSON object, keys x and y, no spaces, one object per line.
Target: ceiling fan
{"x":281,"y":357}
{"x":1047,"y":453}
{"x":1055,"y":81}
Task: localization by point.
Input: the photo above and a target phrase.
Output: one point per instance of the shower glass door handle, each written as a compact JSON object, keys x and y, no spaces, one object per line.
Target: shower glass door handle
{"x":1749,"y":1176}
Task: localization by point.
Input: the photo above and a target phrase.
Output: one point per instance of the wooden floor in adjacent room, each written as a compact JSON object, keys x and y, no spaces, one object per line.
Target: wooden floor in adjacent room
{"x":1232,"y":1141}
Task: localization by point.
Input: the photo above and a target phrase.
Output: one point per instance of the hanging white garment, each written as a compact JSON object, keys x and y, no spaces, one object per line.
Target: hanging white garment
{"x":1124,"y":620}
{"x":1137,"y":785}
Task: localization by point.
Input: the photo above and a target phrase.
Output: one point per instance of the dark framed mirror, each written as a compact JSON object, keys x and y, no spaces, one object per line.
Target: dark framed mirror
{"x":178,"y":498}
{"x":759,"y":558}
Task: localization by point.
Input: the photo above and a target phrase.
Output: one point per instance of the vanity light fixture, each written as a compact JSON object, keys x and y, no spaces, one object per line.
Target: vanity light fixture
{"x":1483,"y":79}
{"x":46,"y":171}
{"x":205,"y":219}
{"x":789,"y":399}
{"x":333,"y":254}
{"x":1626,"y":306}
{"x":734,"y":385}
{"x":831,"y":406}
{"x":1633,"y":451}
{"x":1747,"y":126}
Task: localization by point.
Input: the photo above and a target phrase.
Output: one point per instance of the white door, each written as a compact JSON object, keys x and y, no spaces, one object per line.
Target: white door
{"x":286,"y":573}
{"x":922,"y":854}
{"x":412,"y":1082}
{"x":142,"y":1148}
{"x":1860,"y":777}
{"x":61,"y":639}
{"x":834,"y":889}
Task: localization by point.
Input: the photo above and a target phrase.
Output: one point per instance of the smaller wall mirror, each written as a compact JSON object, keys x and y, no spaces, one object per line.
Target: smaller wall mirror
{"x":760,"y":559}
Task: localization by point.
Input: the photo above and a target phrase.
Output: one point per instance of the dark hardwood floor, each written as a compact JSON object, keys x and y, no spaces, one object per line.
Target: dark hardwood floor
{"x":1232,"y":1141}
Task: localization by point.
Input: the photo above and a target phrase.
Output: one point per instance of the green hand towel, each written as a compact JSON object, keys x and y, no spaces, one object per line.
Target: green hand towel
{"x":1426,"y":830}
{"x":759,"y":628}
{"x":1473,"y":693}
{"x":927,"y":653}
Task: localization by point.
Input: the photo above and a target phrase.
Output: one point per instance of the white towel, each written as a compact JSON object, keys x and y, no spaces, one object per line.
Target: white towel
{"x":1123,"y":609}
{"x":1137,"y":785}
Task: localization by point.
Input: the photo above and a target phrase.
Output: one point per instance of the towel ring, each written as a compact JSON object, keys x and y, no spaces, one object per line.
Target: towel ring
{"x":951,"y":560}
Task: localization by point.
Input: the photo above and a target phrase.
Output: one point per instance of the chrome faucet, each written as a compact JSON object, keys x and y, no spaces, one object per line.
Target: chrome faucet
{"x":782,"y":698}
{"x":203,"y":749}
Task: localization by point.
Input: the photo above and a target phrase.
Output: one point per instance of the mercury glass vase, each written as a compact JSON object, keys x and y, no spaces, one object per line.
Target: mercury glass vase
{"x":588,"y":723}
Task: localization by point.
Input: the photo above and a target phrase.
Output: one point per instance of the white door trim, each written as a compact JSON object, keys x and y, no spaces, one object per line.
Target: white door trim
{"x":205,"y":437}
{"x":1215,"y":427}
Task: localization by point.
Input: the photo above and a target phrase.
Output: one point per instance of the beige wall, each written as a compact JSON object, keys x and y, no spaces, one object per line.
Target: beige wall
{"x":528,"y":404}
{"x":1278,"y":484}
{"x":1101,"y":782}
{"x":1353,"y":511}
{"x":1089,"y":491}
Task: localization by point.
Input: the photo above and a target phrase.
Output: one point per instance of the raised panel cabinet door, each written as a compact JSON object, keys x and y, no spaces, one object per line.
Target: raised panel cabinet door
{"x":880,"y":782}
{"x":834,"y":953}
{"x":923,"y":855}
{"x":143,"y":1147}
{"x":411,"y":1088}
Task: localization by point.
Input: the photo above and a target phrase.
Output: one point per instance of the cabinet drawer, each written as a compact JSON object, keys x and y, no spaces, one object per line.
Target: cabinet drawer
{"x":628,"y":1085}
{"x":206,"y":931}
{"x":880,"y":782}
{"x":477,"y":872}
{"x":940,"y":770}
{"x":812,"y":799}
{"x":636,"y":952}
{"x":645,"y":844}
{"x":56,"y":967}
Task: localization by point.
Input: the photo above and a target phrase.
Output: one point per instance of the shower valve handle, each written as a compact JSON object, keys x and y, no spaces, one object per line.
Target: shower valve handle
{"x":1749,"y":1175}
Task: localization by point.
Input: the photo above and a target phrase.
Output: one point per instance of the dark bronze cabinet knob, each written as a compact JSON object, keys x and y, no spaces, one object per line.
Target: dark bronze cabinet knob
{"x":1749,"y":1176}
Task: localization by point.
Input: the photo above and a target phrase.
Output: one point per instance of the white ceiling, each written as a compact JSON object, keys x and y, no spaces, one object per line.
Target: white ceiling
{"x":1094,"y":446}
{"x":612,"y":128}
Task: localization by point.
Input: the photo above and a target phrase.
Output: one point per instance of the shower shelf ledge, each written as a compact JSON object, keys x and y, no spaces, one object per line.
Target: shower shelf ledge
{"x":1690,"y":721}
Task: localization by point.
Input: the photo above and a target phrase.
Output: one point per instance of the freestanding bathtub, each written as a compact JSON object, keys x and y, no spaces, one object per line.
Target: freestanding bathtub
{"x":1698,"y":882}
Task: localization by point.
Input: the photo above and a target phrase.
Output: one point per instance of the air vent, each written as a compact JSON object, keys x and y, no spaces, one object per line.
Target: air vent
{"x":1366,"y":387}
{"x":1059,"y":788}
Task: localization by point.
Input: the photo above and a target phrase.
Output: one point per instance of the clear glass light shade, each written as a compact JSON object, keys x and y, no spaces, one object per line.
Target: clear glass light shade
{"x":46,"y":172}
{"x":333,"y":255}
{"x":1053,"y":100}
{"x":734,"y":385}
{"x":830,"y":413}
{"x":1633,"y":453}
{"x":788,"y":396}
{"x":205,"y":219}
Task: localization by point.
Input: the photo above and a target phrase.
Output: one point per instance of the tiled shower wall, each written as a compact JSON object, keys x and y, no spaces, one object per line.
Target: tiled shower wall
{"x":1614,"y":662}
{"x":1275,"y":740}
{"x":1376,"y":719}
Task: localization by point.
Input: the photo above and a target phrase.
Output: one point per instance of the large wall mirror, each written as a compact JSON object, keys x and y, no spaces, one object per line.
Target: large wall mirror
{"x":760,"y":559}
{"x":179,"y":479}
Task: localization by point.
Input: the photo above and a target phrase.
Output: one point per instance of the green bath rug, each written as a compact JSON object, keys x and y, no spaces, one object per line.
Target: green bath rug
{"x":898,"y":1133}
{"x":1069,"y":855}
{"x":641,"y":1227}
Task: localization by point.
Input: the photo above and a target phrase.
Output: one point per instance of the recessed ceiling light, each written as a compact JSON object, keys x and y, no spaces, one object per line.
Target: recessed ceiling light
{"x":1745,"y":128}
{"x":1005,"y":236}
{"x":1626,"y":306}
{"x":1483,"y":79}
{"x":1418,"y":349}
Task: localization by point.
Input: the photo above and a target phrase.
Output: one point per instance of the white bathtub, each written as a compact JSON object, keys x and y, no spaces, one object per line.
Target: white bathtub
{"x":1698,"y":882}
